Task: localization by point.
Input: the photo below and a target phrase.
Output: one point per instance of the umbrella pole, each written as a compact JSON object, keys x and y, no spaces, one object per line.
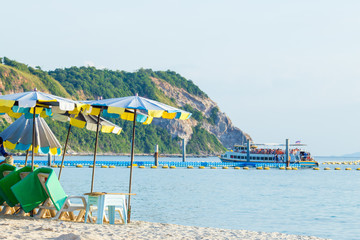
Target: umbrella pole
{"x":27,"y":155}
{"x":131,"y":165}
{"x":96,"y":141}
{"x":33,"y":141}
{"x":63,"y":157}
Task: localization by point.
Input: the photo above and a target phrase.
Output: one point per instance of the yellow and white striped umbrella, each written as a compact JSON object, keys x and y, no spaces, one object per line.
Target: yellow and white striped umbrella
{"x":117,"y":108}
{"x":45,"y":104}
{"x":19,"y":136}
{"x":128,"y":108}
{"x":89,"y":122}
{"x":34,"y":103}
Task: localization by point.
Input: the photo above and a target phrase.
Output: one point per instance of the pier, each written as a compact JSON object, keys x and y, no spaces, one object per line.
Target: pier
{"x":74,"y":163}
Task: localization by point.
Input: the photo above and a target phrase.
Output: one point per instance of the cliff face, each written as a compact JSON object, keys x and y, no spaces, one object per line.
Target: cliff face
{"x":222,"y":127}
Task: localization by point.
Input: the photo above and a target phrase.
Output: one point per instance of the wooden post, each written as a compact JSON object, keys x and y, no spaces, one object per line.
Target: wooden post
{"x":184,"y":149}
{"x":27,"y":155}
{"x":156,"y":155}
{"x":287,"y":153}
{"x":96,"y":143}
{"x":63,"y":157}
{"x":33,"y":149}
{"x":33,"y":141}
{"x":131,"y":165}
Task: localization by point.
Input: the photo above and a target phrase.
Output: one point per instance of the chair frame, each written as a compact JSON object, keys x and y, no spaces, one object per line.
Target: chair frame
{"x":67,"y":207}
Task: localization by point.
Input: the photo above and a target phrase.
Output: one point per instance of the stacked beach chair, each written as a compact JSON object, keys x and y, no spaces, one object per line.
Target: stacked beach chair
{"x":24,"y":192}
{"x":40,"y":194}
{"x":5,"y":169}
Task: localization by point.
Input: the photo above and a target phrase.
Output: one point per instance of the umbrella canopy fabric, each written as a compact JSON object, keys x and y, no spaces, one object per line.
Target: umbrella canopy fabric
{"x":18,"y":104}
{"x":116,"y":107}
{"x":19,"y":136}
{"x":89,"y":122}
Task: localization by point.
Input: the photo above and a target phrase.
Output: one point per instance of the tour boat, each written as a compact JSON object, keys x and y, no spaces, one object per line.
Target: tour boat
{"x":269,"y":154}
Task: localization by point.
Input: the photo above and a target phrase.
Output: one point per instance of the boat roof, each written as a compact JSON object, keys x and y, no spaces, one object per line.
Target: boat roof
{"x":272,"y":145}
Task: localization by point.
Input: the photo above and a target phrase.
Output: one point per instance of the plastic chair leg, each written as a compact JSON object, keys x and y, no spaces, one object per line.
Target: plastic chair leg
{"x":111,"y":210}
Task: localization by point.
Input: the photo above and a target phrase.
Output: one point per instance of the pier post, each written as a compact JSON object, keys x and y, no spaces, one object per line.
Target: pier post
{"x":287,"y":153}
{"x":156,"y":155}
{"x":184,"y":149}
{"x":248,"y":150}
{"x":49,"y":159}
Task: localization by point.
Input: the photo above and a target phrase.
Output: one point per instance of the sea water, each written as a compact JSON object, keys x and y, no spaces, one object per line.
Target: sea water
{"x":304,"y":202}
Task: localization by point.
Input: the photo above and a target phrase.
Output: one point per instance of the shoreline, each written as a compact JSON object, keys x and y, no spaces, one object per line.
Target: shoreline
{"x":16,"y":227}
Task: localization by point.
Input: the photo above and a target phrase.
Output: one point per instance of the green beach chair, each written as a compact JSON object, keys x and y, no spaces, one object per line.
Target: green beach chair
{"x":43,"y":184}
{"x":5,"y":169}
{"x":7,"y":182}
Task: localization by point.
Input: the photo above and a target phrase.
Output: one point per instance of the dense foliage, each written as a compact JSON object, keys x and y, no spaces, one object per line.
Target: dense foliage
{"x":20,"y":66}
{"x":94,"y":82}
{"x":203,"y":142}
{"x":197,"y":115}
{"x":91,"y":83}
{"x":213,"y":116}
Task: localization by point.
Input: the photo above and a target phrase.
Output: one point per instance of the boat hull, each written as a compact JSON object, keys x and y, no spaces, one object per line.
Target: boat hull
{"x":302,"y":164}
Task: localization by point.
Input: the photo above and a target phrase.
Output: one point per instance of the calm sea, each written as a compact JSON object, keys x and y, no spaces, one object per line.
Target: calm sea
{"x":304,"y":202}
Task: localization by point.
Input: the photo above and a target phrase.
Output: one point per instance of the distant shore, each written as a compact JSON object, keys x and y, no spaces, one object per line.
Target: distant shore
{"x":14,"y":227}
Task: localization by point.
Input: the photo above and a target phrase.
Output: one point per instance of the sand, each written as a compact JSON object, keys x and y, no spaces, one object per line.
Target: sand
{"x":15,"y":227}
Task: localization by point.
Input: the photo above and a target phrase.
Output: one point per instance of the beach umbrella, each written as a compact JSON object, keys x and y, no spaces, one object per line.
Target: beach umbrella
{"x":143,"y":110}
{"x":35,"y":103}
{"x":89,"y":122}
{"x":19,"y":136}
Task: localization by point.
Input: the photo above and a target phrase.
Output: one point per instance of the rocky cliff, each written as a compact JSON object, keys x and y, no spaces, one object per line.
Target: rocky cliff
{"x":221,"y":127}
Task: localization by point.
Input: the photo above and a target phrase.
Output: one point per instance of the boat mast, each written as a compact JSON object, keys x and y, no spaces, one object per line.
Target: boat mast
{"x":248,"y":150}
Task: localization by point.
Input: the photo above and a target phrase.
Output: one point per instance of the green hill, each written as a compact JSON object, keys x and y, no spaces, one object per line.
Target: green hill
{"x":89,"y":83}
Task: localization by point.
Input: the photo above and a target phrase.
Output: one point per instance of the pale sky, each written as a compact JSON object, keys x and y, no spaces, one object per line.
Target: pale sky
{"x":279,"y":69}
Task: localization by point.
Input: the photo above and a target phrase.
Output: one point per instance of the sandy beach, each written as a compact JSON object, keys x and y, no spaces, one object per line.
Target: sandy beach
{"x":14,"y":227}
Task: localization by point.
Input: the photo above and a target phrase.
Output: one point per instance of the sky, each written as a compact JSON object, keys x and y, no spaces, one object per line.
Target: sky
{"x":279,"y":69}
